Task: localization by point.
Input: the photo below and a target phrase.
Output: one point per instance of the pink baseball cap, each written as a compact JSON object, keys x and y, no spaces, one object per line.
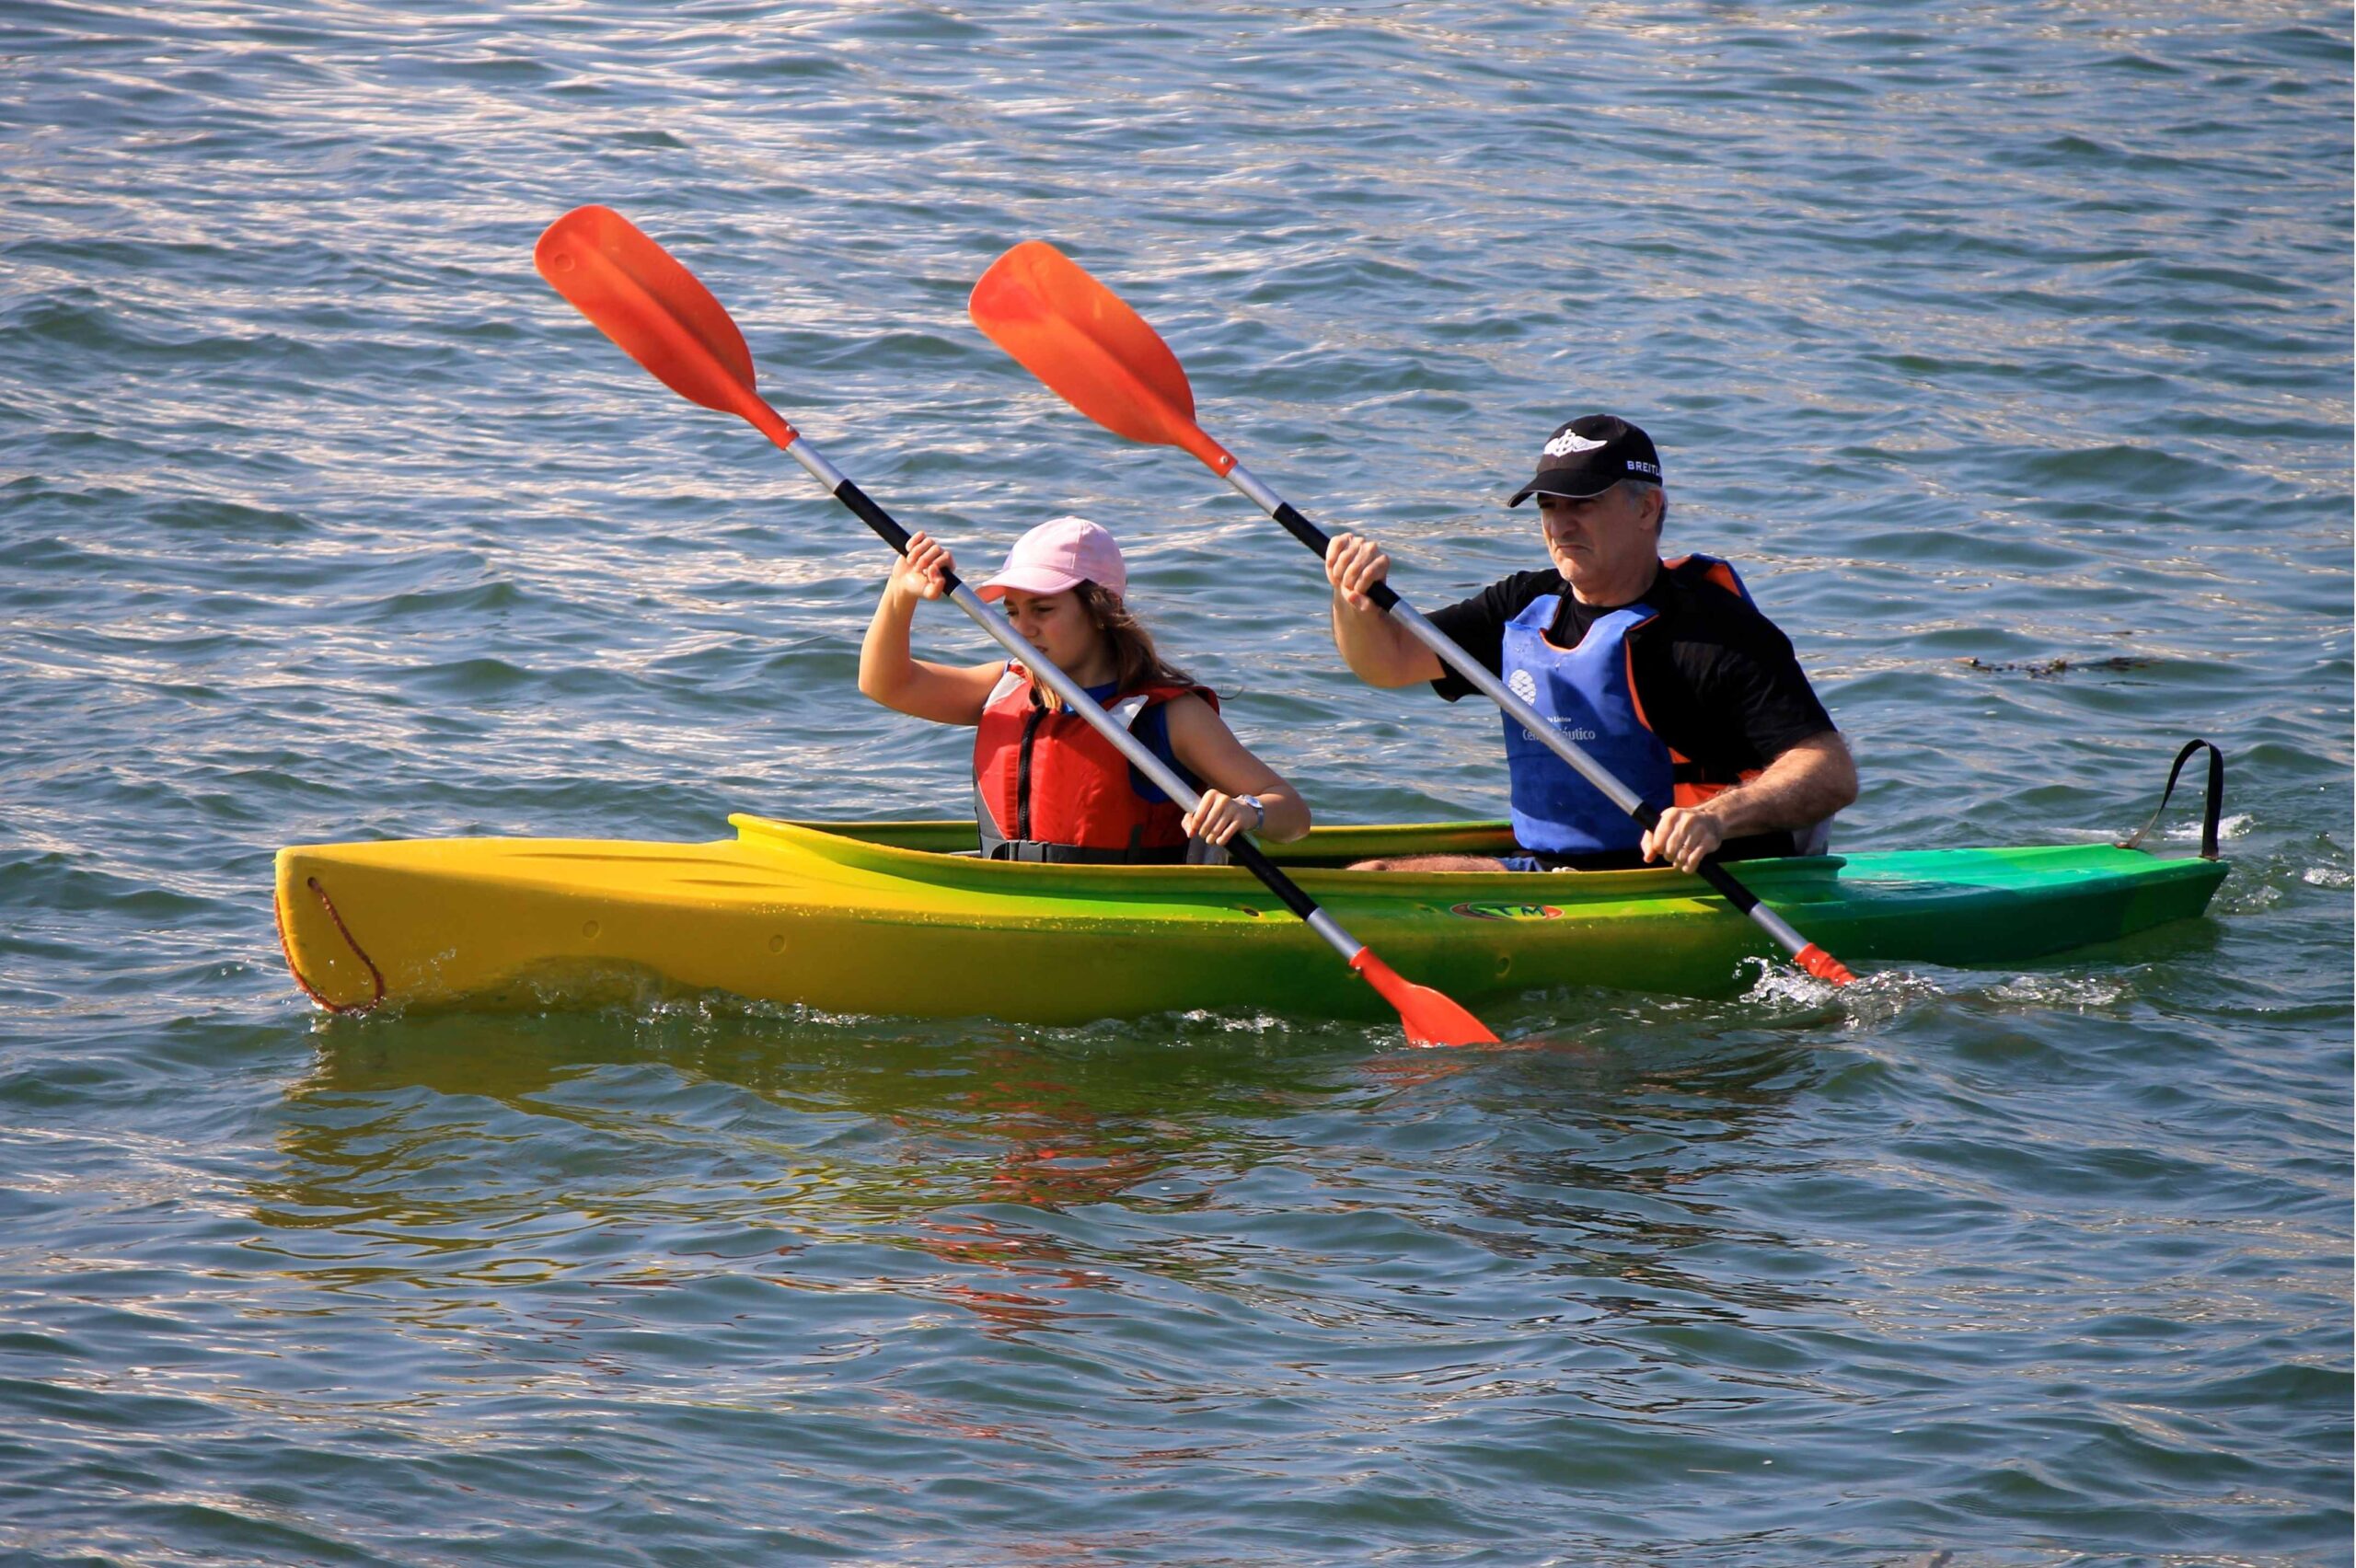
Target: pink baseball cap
{"x":1060,"y":553}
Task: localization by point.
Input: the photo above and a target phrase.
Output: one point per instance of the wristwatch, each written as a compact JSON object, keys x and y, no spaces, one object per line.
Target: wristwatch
{"x":1258,"y":810}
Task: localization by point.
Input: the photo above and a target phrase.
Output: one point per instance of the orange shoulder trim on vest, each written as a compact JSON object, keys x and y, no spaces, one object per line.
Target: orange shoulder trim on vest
{"x":1636,"y":698}
{"x":1685,"y":794}
{"x":1718,"y":573}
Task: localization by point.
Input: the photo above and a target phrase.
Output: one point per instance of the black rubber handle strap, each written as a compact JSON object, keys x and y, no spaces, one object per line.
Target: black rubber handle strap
{"x":2215,"y":803}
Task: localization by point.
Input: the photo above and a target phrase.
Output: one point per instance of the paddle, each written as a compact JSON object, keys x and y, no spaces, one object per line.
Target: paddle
{"x":1084,"y":343}
{"x":653,"y":307}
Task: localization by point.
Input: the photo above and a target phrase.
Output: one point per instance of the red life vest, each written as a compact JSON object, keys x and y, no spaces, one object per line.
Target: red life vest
{"x":1047,"y":787}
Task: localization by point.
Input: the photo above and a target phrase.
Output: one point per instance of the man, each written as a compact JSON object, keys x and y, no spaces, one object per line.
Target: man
{"x":1664,"y":673}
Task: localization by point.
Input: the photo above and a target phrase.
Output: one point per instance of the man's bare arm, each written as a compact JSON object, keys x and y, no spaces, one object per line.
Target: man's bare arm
{"x":1378,"y":650}
{"x":1805,"y":785}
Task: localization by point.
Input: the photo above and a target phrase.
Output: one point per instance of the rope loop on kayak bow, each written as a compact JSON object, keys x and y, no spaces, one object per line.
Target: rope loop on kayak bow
{"x":375,"y":976}
{"x":2208,"y":811}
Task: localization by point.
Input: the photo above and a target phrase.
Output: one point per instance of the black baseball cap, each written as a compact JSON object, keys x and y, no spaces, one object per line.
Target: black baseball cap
{"x":1588,"y":455}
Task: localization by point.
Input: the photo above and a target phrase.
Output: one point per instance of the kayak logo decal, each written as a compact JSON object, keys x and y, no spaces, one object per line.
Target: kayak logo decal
{"x":1570,"y":441}
{"x":1506,"y":911}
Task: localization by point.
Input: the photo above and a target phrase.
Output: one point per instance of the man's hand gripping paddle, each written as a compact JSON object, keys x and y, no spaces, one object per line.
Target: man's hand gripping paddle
{"x":653,"y":307}
{"x":1084,"y":342}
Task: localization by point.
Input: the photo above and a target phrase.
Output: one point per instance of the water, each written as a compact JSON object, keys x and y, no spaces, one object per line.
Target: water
{"x":2006,"y":348}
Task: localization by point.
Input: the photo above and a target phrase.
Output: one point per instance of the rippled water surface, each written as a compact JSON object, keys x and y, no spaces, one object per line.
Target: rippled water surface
{"x":2006,"y":348}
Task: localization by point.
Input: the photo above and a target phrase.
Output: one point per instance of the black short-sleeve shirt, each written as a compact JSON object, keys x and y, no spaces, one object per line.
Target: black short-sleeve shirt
{"x":1719,"y":683}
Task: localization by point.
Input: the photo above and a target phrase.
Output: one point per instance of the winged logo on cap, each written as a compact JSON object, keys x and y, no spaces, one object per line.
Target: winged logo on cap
{"x":1570,"y":441}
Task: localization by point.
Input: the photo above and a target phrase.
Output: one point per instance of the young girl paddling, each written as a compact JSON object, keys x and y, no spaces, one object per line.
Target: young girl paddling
{"x":1046,"y":786}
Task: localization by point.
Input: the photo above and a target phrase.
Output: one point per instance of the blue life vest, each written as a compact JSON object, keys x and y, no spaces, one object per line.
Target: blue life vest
{"x":1590,"y":693}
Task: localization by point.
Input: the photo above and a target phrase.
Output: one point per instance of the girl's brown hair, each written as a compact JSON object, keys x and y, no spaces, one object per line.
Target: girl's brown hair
{"x":1133,"y":653}
{"x":1132,"y":645}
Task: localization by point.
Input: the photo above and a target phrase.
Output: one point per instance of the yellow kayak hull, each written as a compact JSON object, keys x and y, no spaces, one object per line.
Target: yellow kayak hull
{"x":883,"y":918}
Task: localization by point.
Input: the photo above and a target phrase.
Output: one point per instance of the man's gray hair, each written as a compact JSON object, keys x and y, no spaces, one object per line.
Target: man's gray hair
{"x":1642,"y":487}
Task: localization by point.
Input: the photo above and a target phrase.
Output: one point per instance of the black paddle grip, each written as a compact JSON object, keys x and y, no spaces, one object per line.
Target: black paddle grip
{"x":1300,"y":527}
{"x":1733,"y":891}
{"x":1316,"y":538}
{"x":875,"y":517}
{"x":1245,"y":853}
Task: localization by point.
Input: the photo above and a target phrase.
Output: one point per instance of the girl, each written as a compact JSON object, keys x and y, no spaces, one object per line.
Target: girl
{"x":1046,"y":787}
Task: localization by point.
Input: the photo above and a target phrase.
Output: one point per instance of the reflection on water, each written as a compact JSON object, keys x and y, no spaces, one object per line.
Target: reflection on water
{"x":1017,"y":1173}
{"x":459,"y":1136}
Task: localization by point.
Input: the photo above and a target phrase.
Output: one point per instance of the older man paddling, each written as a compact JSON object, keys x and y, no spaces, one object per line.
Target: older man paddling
{"x":1664,"y":672}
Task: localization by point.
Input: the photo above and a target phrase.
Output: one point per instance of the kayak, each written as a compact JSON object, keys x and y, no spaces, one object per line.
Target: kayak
{"x":902,"y":917}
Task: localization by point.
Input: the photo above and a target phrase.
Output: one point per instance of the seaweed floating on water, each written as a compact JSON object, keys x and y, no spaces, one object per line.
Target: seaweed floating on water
{"x":2046,"y":669}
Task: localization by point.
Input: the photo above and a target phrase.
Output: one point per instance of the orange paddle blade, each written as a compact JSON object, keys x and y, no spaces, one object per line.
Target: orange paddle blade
{"x":1431,"y":1018}
{"x":1085,"y":343}
{"x":640,"y":295}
